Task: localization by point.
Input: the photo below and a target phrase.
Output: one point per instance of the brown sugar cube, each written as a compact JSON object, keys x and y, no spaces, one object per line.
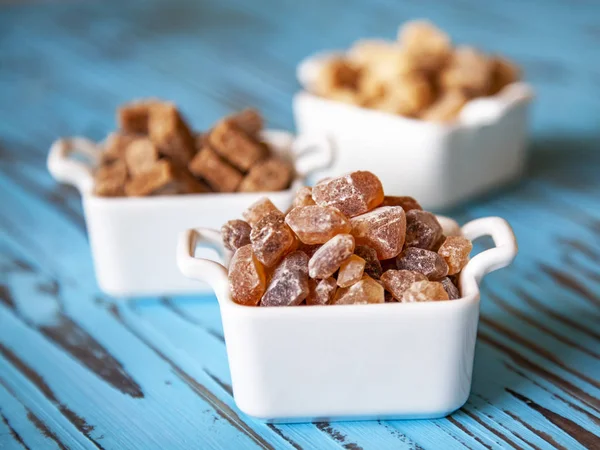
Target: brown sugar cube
{"x":249,"y":121}
{"x":170,"y":133}
{"x":258,"y":210}
{"x":115,"y":145}
{"x":424,"y":291}
{"x":110,"y":179}
{"x":133,"y":117}
{"x":273,"y":174}
{"x":187,"y":183}
{"x":407,"y":97}
{"x":236,"y":146}
{"x":504,"y":72}
{"x":161,"y":177}
{"x":428,"y":46}
{"x":337,"y":73}
{"x":445,"y":108}
{"x":220,"y":175}
{"x":140,"y":156}
{"x":469,"y":71}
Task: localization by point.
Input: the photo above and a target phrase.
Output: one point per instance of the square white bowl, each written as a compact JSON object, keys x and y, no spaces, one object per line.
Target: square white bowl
{"x":439,"y":164}
{"x":133,"y":238}
{"x":392,"y":360}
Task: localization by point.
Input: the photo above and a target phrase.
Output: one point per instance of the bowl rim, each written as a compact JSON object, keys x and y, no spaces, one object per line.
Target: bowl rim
{"x":295,"y":148}
{"x":477,"y":111}
{"x":215,"y":274}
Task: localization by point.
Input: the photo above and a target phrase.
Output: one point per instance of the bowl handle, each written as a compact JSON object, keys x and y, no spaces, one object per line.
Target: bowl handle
{"x":312,"y":153}
{"x":211,"y":272}
{"x":68,"y":170}
{"x":489,"y":260}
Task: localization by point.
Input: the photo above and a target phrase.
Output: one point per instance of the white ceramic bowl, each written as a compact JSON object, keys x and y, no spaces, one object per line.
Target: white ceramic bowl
{"x":132,"y":239}
{"x":440,"y":164}
{"x":392,"y":360}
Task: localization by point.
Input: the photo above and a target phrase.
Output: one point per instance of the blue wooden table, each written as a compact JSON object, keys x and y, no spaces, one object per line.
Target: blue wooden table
{"x":81,"y":370}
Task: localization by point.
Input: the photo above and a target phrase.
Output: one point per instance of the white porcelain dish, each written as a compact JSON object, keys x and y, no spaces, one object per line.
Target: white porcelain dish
{"x":132,"y":239}
{"x":393,"y":360}
{"x":440,"y":164}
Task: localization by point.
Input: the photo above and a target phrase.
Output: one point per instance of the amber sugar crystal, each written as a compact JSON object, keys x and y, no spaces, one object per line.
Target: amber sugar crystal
{"x":367,"y":290}
{"x":382,"y":229}
{"x":422,"y":229}
{"x":317,"y":224}
{"x":450,"y":287}
{"x":424,"y":261}
{"x":289,"y":283}
{"x":247,"y":281}
{"x":271,"y":238}
{"x":398,"y":281}
{"x":353,"y":194}
{"x":351,"y":271}
{"x":321,"y":292}
{"x":259,"y":209}
{"x":455,"y":250}
{"x":424,"y":291}
{"x":330,"y":256}
{"x":372,"y":264}
{"x":303,"y":197}
{"x":235,"y":234}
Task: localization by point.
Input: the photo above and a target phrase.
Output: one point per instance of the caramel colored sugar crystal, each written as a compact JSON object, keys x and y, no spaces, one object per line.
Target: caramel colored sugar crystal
{"x":353,"y":194}
{"x":424,"y":291}
{"x":236,"y":146}
{"x":337,"y":74}
{"x":321,"y":292}
{"x":249,"y":121}
{"x":317,"y":224}
{"x":235,"y":234}
{"x":296,"y":260}
{"x":422,"y":229}
{"x":428,"y":46}
{"x":170,"y":133}
{"x":133,"y":117}
{"x":160,"y":176}
{"x":451,"y":289}
{"x":406,"y":202}
{"x":383,"y":229}
{"x":271,"y":238}
{"x":289,"y":283}
{"x":455,"y":250}
{"x":367,"y":290}
{"x":303,"y":197}
{"x":398,"y":281}
{"x":220,"y":175}
{"x":407,"y":97}
{"x":424,"y":261}
{"x":446,"y":107}
{"x":110,"y":179}
{"x":247,"y":281}
{"x":372,"y":265}
{"x":273,"y":174}
{"x":468,"y":71}
{"x":351,"y":271}
{"x":259,"y":209}
{"x":504,"y":73}
{"x":330,"y":256}
{"x":140,"y":156}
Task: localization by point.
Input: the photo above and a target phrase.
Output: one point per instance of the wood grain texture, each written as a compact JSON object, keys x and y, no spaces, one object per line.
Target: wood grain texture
{"x":80,"y":370}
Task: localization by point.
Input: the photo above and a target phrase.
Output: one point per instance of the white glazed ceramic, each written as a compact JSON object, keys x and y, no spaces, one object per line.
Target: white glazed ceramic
{"x":132,"y":239}
{"x":392,"y":360}
{"x":439,"y":164}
